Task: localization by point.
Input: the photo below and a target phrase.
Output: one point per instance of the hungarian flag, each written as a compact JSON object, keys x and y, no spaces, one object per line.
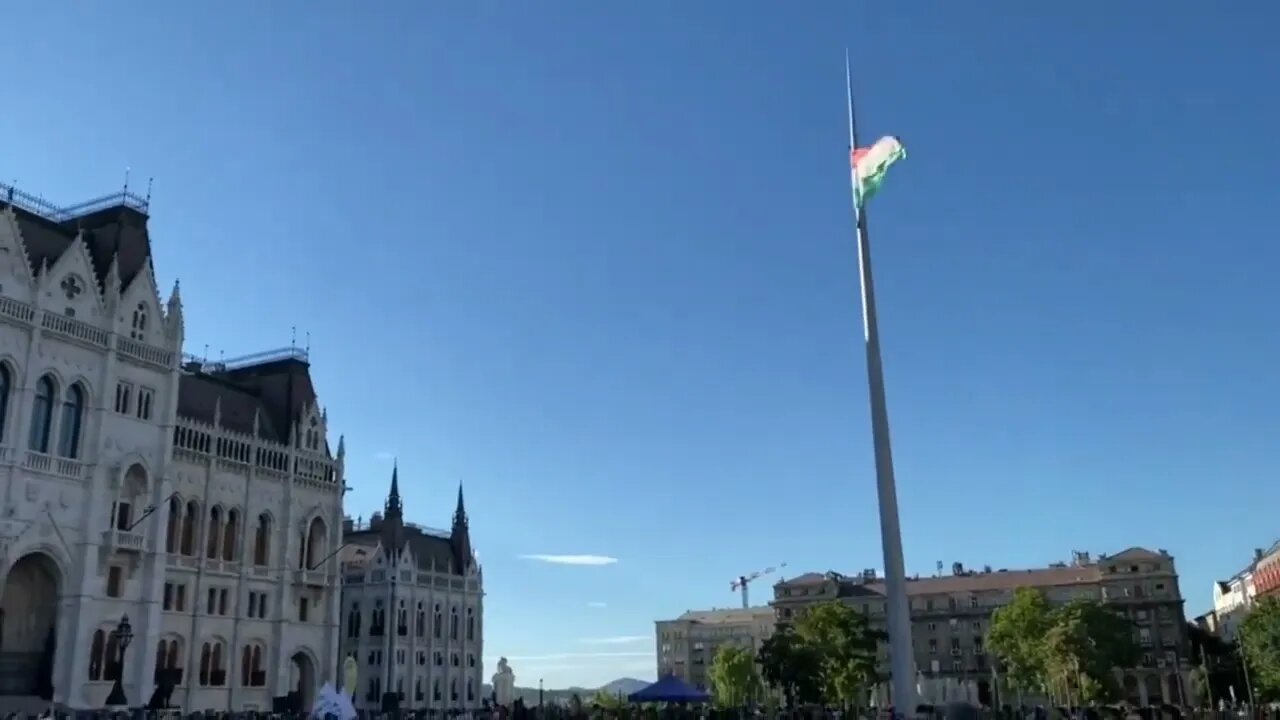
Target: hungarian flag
{"x":871,"y":163}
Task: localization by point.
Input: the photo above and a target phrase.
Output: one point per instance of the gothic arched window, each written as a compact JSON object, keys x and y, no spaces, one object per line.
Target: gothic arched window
{"x":72,"y":418}
{"x":42,"y":415}
{"x":6,"y":384}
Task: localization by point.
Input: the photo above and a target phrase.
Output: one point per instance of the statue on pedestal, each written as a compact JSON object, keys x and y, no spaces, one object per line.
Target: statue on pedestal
{"x":504,"y":684}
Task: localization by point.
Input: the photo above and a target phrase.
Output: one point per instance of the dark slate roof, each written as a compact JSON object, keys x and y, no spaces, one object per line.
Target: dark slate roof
{"x":278,"y":390}
{"x":426,"y":547}
{"x":120,"y":230}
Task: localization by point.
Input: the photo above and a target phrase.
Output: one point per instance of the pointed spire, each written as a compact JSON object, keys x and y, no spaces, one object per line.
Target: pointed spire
{"x":460,"y":512}
{"x":460,"y":538}
{"x":173,"y":312}
{"x":342,"y":446}
{"x":257,"y":421}
{"x":394,"y":505}
{"x":217,"y":411}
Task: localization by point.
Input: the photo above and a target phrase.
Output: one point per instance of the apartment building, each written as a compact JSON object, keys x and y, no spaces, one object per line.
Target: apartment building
{"x":951,"y":615}
{"x":687,"y":644}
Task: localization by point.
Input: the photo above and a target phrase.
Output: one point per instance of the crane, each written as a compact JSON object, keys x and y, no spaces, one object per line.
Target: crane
{"x":744,"y":580}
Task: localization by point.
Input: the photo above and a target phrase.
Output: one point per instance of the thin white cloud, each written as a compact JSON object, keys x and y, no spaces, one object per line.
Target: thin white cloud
{"x":556,"y":657}
{"x":384,"y":456}
{"x":572,"y":559}
{"x":616,"y":640}
{"x":597,"y":604}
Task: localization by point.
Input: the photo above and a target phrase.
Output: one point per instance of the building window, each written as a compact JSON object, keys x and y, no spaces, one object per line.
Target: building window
{"x":453,"y":623}
{"x":145,"y":400}
{"x":304,"y":605}
{"x":251,"y":672}
{"x":213,"y":671}
{"x":353,"y":621}
{"x":42,"y":415}
{"x":139,"y":326}
{"x":168,"y":657}
{"x":6,"y":383}
{"x":124,"y":394}
{"x":230,"y":536}
{"x":69,"y":427}
{"x":173,"y":530}
{"x":262,"y":540}
{"x":471,"y":624}
{"x":215,"y":532}
{"x":97,"y":650}
{"x":115,"y":581}
{"x":436,"y":621}
{"x":435,"y":690}
{"x":189,"y":529}
{"x":421,"y":618}
{"x":471,"y":690}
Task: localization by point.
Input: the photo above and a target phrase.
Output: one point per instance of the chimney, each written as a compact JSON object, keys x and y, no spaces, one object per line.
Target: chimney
{"x":348,"y":525}
{"x":957,"y":568}
{"x":1257,"y":553}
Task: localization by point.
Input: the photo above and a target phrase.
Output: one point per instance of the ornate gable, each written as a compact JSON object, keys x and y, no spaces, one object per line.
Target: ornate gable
{"x":16,"y":280}
{"x":70,"y":285}
{"x":140,"y":316}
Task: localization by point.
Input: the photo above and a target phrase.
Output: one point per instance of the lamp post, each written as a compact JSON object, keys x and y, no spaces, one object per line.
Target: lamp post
{"x":123,"y":635}
{"x":540,"y":697}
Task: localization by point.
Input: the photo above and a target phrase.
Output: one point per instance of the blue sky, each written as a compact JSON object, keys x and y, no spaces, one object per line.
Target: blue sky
{"x":594,"y":260}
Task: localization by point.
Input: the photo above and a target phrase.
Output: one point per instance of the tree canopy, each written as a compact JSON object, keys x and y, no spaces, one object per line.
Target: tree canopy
{"x":1259,"y":638}
{"x":828,"y":655}
{"x":734,"y":680}
{"x":1069,"y":651}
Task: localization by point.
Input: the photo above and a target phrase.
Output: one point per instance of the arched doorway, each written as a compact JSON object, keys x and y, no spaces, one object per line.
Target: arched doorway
{"x":302,"y":681}
{"x":28,"y":622}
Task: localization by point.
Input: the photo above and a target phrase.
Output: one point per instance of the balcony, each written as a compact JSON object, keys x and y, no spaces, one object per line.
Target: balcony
{"x":62,"y":467}
{"x":314,"y":578}
{"x":125,"y":540}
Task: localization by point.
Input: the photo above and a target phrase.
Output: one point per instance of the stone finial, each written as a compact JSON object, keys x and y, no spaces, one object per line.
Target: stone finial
{"x":217,"y":412}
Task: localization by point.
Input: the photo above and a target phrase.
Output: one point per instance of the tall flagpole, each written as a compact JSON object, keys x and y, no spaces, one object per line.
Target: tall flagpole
{"x":901,"y":658}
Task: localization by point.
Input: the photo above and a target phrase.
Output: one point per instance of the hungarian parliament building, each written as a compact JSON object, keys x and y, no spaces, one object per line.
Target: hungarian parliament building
{"x":172,"y":529}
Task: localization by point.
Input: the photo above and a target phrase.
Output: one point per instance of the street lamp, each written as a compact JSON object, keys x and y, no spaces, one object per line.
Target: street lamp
{"x":539,"y":696}
{"x":123,"y":634}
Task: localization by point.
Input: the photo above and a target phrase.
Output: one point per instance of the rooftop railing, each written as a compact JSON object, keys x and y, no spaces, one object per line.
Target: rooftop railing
{"x":46,"y":209}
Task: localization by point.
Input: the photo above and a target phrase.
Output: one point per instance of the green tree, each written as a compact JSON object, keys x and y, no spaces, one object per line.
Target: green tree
{"x":1017,"y":635}
{"x":1259,"y":638}
{"x":734,"y":680}
{"x":789,"y":665}
{"x":1084,"y":644}
{"x":1069,"y":651}
{"x":845,"y":645}
{"x":575,"y":705}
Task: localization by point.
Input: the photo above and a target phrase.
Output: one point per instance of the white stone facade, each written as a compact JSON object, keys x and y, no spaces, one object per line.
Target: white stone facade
{"x":413,"y":612}
{"x":197,"y":500}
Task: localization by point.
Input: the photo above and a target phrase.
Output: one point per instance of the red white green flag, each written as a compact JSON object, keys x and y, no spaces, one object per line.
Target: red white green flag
{"x":870,"y":164}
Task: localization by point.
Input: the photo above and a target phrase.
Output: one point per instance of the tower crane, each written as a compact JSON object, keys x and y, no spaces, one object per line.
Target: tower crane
{"x":744,"y":580}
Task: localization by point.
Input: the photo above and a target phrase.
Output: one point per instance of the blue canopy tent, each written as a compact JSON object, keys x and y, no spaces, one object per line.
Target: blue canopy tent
{"x":668,"y":689}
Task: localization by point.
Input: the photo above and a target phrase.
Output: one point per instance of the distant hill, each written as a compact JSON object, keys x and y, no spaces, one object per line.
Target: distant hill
{"x":626,"y":686}
{"x":557,"y":696}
